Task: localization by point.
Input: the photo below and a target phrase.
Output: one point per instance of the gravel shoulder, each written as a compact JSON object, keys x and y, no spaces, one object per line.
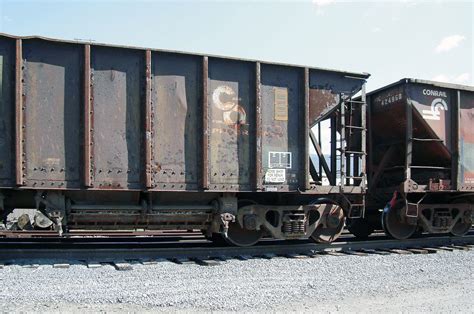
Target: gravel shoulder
{"x":439,"y":282}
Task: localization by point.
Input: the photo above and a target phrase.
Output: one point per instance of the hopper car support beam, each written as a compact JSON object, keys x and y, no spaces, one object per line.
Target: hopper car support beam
{"x":258,"y":127}
{"x":322,"y":160}
{"x":306,"y":130}
{"x":148,"y":119}
{"x":87,"y":117}
{"x":205,"y":124}
{"x":19,"y":113}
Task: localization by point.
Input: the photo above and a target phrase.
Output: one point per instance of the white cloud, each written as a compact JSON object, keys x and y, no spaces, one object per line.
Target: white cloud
{"x":449,"y":42}
{"x":376,"y":30}
{"x":463,"y":78}
{"x":441,"y":78}
{"x":323,"y":3}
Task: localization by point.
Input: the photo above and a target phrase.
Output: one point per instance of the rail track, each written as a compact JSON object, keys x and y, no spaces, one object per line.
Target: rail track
{"x":182,"y":248}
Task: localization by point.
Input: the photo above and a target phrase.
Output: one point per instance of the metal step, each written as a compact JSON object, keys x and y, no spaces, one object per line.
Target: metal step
{"x":426,"y":139}
{"x":355,"y":127}
{"x":430,"y":167}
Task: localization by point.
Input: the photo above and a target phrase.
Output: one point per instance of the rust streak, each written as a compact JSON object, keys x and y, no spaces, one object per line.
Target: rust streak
{"x":19,"y":112}
{"x":87,"y":116}
{"x":205,"y":124}
{"x":306,"y":131}
{"x":258,"y":128}
{"x":148,"y":130}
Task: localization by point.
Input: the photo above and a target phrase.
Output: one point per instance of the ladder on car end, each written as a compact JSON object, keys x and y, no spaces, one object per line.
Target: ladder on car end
{"x":352,"y":128}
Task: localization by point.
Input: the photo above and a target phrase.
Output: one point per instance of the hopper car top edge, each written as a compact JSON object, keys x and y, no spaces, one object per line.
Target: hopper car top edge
{"x":356,"y":75}
{"x":422,"y":81}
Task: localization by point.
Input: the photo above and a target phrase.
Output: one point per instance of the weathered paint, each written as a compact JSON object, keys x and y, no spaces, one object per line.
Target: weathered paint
{"x":281,"y":144}
{"x":116,"y":118}
{"x":420,"y":120}
{"x":176,"y":119}
{"x":117,"y":91}
{"x":326,"y":90}
{"x":232,"y":115}
{"x":7,"y":109}
{"x":52,"y":118}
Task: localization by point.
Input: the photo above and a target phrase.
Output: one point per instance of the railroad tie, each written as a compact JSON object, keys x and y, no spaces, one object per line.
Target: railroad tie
{"x":334,"y":253}
{"x":351,"y":252}
{"x":445,"y":248}
{"x":243,"y":257}
{"x":122,"y":265}
{"x":207,"y":262}
{"x":417,"y":251}
{"x":400,"y":251}
{"x":461,"y":247}
{"x":153,"y":261}
{"x":181,"y":260}
{"x":93,"y":264}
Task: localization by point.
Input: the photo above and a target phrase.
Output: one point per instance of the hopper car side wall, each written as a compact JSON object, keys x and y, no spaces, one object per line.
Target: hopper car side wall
{"x":114,"y":118}
{"x":442,"y":119}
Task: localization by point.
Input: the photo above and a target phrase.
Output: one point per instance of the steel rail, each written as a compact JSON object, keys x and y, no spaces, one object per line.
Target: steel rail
{"x":112,"y":251}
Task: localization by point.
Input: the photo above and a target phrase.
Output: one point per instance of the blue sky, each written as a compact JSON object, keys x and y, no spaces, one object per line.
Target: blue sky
{"x":390,"y":40}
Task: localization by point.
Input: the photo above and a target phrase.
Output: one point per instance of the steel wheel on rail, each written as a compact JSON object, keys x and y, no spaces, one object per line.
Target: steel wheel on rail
{"x":462,"y":226}
{"x":238,"y":236}
{"x":360,"y":227}
{"x":393,"y":225}
{"x":334,"y":225}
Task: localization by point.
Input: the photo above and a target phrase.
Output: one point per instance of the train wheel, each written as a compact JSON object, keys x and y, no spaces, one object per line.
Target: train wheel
{"x":461,"y":228}
{"x":360,"y":228}
{"x":333,"y":228}
{"x":394,"y":226}
{"x":238,"y":236}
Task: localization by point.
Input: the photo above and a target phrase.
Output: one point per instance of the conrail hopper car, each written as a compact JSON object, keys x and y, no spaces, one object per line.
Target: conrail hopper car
{"x":420,"y":159}
{"x":97,"y":137}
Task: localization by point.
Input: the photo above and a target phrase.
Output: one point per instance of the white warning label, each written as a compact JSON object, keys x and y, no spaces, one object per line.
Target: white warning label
{"x":275,"y":176}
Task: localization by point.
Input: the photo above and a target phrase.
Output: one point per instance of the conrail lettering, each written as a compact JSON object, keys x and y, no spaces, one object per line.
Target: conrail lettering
{"x":430,"y":92}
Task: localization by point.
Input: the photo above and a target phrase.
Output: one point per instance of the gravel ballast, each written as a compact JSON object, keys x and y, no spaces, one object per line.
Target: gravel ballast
{"x":439,"y":282}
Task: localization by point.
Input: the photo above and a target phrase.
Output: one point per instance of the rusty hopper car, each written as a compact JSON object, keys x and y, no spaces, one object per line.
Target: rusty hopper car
{"x":99,"y":137}
{"x":421,"y":159}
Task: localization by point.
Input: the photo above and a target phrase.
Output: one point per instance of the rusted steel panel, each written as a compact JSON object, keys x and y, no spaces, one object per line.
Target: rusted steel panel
{"x":326,"y":89}
{"x":258,"y":128}
{"x":387,"y":114}
{"x":109,"y":117}
{"x":205,"y":124}
{"x":431,"y":127}
{"x":19,"y":115}
{"x":87,"y":116}
{"x":52,"y":120}
{"x":118,"y":77}
{"x":7,"y":112}
{"x":305,"y":131}
{"x":466,"y":141}
{"x":231,"y":111}
{"x":176,"y":121}
{"x":282,"y":103}
{"x":148,"y":125}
